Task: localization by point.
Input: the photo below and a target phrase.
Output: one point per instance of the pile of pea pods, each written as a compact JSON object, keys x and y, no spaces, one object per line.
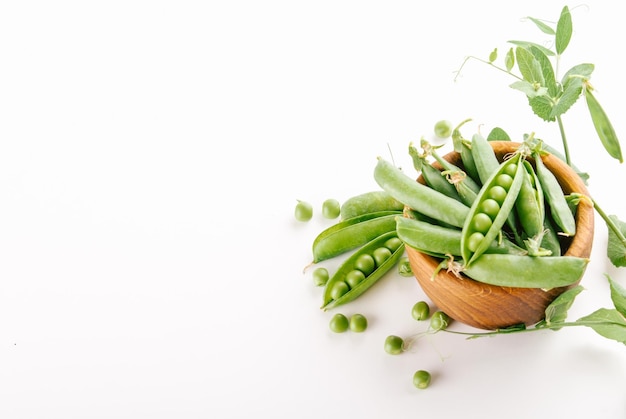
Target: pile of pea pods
{"x":500,"y":223}
{"x":367,"y":227}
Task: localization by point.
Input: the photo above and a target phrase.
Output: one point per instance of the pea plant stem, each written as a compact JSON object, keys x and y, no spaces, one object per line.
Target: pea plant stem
{"x":609,"y":222}
{"x":553,"y":326}
{"x":564,"y":141}
{"x":471,"y":57}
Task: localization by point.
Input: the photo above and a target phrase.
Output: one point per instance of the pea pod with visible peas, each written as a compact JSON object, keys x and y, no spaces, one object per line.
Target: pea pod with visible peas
{"x":559,"y":209}
{"x":338,"y":291}
{"x":352,"y":233}
{"x":491,"y":209}
{"x":440,"y":241}
{"x":418,"y":197}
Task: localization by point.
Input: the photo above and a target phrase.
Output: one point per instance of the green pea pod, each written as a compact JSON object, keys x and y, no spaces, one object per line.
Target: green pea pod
{"x":349,"y":265}
{"x":530,"y":203}
{"x":368,"y":202}
{"x":550,"y":240}
{"x":603,"y":126}
{"x":352,"y":233}
{"x":555,"y":198}
{"x":440,"y":241}
{"x":419,"y":197}
{"x":526,"y":271}
{"x":484,"y":158}
{"x":476,"y":239}
{"x":467,"y":194}
{"x":449,"y":167}
{"x":463,"y":147}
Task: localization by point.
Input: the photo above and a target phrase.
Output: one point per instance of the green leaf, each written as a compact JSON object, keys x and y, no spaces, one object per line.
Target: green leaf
{"x":615,"y":248}
{"x":542,"y":26}
{"x":577,"y":75}
{"x":556,"y":312}
{"x":529,"y":66}
{"x":618,"y":296}
{"x":546,"y":70}
{"x":526,"y":44}
{"x":603,"y":127}
{"x":569,"y":96}
{"x":542,"y":107}
{"x":498,"y":134}
{"x":493,"y":55}
{"x":529,"y":89}
{"x":563,"y":30}
{"x":509,"y":60}
{"x":606,"y":322}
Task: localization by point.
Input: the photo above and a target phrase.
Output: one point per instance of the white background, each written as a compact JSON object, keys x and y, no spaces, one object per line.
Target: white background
{"x":151,"y":154}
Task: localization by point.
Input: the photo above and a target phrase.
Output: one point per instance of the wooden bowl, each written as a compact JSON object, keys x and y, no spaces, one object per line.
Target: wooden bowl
{"x":490,"y":307}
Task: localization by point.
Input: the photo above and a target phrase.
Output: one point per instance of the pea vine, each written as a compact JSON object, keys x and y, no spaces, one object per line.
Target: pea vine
{"x":536,"y":69}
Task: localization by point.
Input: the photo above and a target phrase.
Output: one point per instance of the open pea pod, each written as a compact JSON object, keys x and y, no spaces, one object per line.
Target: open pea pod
{"x":441,"y":241}
{"x":526,"y":271}
{"x":349,"y":265}
{"x":352,"y":233}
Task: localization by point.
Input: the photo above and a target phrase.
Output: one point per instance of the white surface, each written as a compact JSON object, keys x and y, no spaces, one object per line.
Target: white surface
{"x":151,"y":155}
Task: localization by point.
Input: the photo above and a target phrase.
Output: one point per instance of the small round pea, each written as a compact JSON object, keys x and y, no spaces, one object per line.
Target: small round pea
{"x":354,"y":278}
{"x":504,"y":180}
{"x":421,"y":379}
{"x":404,"y":267}
{"x":497,"y":193}
{"x":443,"y":128}
{"x":481,"y":222}
{"x":439,"y":321}
{"x":380,"y":255}
{"x":394,"y":345}
{"x":358,"y":323}
{"x":339,"y":289}
{"x":490,"y":207}
{"x":303,"y":211}
{"x":474,"y":240}
{"x":420,"y":310}
{"x":339,"y":323}
{"x":331,"y":208}
{"x":393,"y":244}
{"x":365,"y":263}
{"x":510,"y":169}
{"x":320,"y":276}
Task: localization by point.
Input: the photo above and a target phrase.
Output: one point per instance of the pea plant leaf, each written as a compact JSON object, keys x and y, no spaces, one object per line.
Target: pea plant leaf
{"x":509,"y":60}
{"x":606,"y":322}
{"x":542,"y":107}
{"x":498,"y":134}
{"x":616,"y":250}
{"x":577,"y":75}
{"x":563,"y":30}
{"x":529,"y":89}
{"x":603,"y":126}
{"x":543,"y":27}
{"x":528,"y":44}
{"x":528,"y":66}
{"x":556,"y":312}
{"x":618,"y":296}
{"x":547,"y":70}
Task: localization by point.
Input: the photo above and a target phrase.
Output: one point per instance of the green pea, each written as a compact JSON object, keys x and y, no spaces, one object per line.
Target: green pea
{"x":474,"y":240}
{"x":354,"y":278}
{"x":320,"y":276}
{"x":421,"y":379}
{"x":380,"y":255}
{"x":394,"y":345}
{"x":505,"y":180}
{"x":404,"y":267}
{"x":443,"y":129}
{"x":481,"y":222}
{"x":393,"y":244}
{"x":331,"y":208}
{"x":339,"y":323}
{"x":303,"y":211}
{"x":439,"y":321}
{"x":339,"y":289}
{"x":510,"y":169}
{"x":365,"y":263}
{"x":497,"y":193}
{"x":420,"y":310}
{"x":358,"y":323}
{"x":490,"y":207}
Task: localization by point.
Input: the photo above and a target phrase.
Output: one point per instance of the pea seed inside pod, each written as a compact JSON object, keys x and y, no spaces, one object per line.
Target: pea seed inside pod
{"x":365,"y":263}
{"x":497,"y":193}
{"x":481,"y":222}
{"x":339,"y":289}
{"x":393,"y":244}
{"x":474,"y":240}
{"x":505,"y":181}
{"x":490,"y":207}
{"x":354,"y":278}
{"x":380,"y":255}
